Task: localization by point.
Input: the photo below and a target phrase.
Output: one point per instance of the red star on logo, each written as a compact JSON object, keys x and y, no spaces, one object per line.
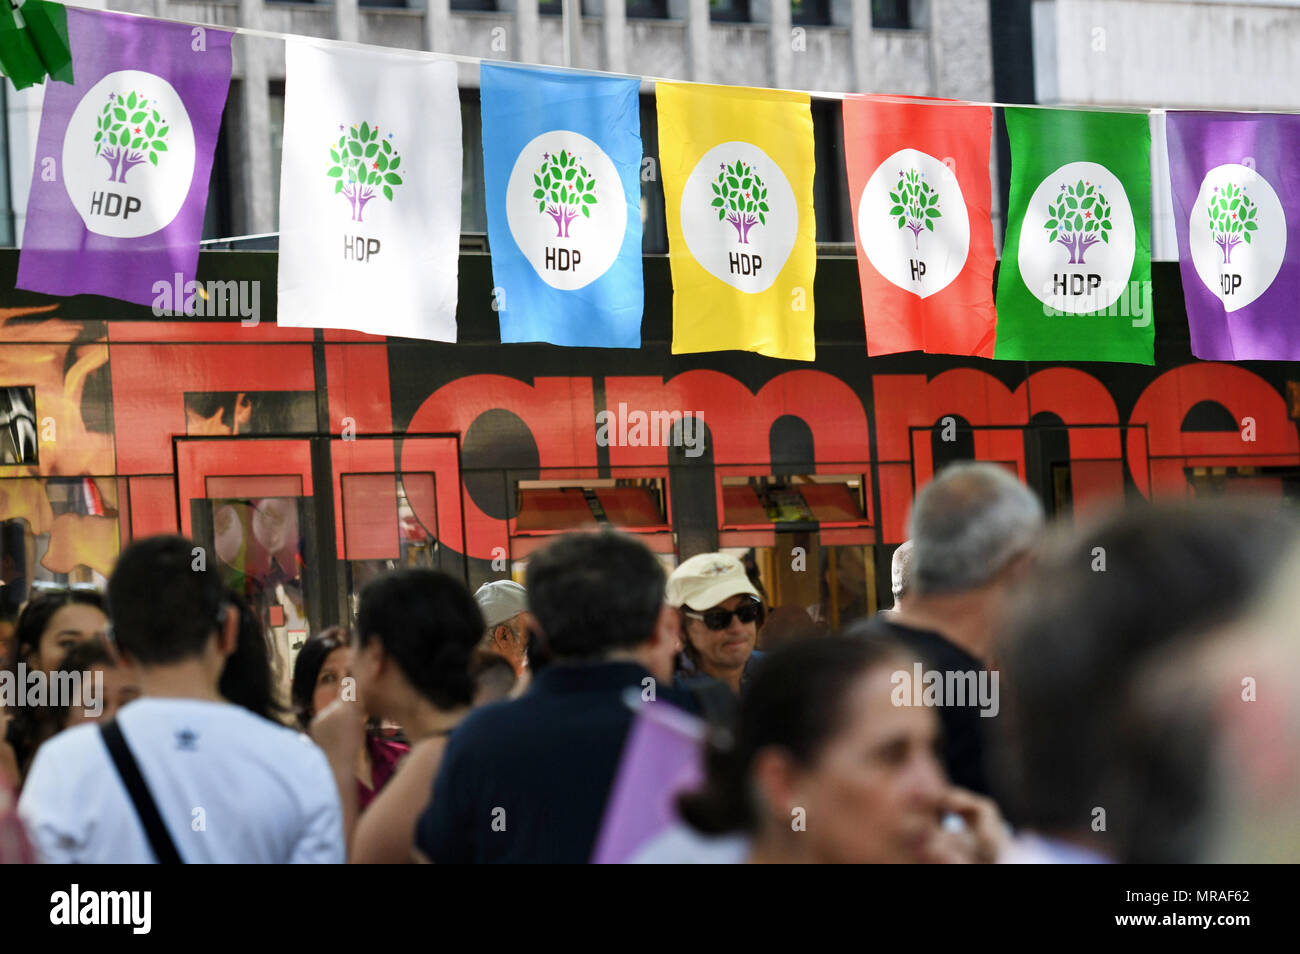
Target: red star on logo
{"x":374,"y":165}
{"x":137,"y":129}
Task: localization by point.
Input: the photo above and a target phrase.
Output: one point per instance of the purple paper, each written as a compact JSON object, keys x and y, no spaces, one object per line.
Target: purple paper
{"x":1236,"y":190}
{"x":661,"y":758}
{"x":123,"y":158}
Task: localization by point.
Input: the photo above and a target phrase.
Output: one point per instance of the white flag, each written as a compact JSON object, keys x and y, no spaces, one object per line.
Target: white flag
{"x":370,"y":193}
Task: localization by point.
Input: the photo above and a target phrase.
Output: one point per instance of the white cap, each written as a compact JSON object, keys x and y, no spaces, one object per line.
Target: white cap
{"x":704,"y":581}
{"x":500,"y":601}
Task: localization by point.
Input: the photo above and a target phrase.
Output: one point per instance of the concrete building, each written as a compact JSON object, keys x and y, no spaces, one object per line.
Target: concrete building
{"x":924,"y":47}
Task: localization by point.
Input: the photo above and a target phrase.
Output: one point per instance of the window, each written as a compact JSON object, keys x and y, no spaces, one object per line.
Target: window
{"x":473,"y":197}
{"x":734,"y":11}
{"x":276,"y":109}
{"x":654,"y":228}
{"x":217,"y":215}
{"x":830,"y":180}
{"x":488,"y":5}
{"x":6,"y":193}
{"x":891,"y":15}
{"x":647,"y":9}
{"x":810,"y":12}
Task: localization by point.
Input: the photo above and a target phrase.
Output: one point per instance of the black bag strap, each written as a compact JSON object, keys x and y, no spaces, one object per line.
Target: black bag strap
{"x":160,"y":841}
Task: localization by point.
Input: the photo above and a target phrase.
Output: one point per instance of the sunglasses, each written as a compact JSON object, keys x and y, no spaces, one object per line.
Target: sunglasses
{"x":747,"y":612}
{"x":49,"y":586}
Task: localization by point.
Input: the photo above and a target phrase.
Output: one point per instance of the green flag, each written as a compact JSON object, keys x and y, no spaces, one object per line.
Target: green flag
{"x":1075,"y":280}
{"x":37,"y":46}
{"x":18,"y":57}
{"x":47,"y":24}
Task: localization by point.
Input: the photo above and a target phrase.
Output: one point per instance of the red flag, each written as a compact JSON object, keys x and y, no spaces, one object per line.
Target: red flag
{"x":920,"y":190}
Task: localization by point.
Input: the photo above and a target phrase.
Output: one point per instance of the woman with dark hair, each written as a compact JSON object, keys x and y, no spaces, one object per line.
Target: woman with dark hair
{"x":416,"y":631}
{"x":50,"y":624}
{"x":246,"y":681}
{"x":824,"y":767}
{"x":319,"y":675}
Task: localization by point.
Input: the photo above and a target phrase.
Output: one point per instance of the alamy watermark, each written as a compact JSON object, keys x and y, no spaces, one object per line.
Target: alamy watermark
{"x":624,"y":428}
{"x":946,"y":688}
{"x":228,"y":299}
{"x":24,"y":687}
{"x":1088,"y":296}
{"x":130,"y":908}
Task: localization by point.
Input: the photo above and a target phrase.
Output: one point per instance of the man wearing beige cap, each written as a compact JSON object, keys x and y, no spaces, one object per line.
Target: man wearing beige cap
{"x":720,"y":614}
{"x":504,"y":605}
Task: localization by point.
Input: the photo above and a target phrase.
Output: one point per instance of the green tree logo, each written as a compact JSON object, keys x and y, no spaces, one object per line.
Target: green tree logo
{"x":916,"y":204}
{"x":1232,"y":218}
{"x":740,"y":197}
{"x":564,"y":188}
{"x":361,"y":162}
{"x":1078,"y":219}
{"x":128,"y":132}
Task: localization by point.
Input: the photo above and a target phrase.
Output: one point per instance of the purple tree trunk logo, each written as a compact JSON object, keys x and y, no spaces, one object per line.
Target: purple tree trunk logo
{"x":129,"y":132}
{"x":564,"y":189}
{"x":740,"y":198}
{"x":1232,"y":219}
{"x":1078,"y":219}
{"x":916,"y":204}
{"x":362,"y":163}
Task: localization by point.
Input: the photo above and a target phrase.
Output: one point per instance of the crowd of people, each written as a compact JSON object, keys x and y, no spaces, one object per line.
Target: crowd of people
{"x":1112,"y":689}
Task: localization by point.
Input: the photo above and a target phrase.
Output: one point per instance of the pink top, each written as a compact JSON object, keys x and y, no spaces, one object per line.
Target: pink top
{"x":384,"y":756}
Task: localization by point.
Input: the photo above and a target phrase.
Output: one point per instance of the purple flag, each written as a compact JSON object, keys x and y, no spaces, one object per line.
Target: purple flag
{"x":661,"y":758}
{"x":123,"y":158}
{"x":1236,"y":186}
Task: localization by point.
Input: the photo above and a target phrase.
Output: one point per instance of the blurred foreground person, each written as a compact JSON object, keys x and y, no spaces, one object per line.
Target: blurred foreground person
{"x":971,"y":530}
{"x":790,"y":624}
{"x":1236,"y":686}
{"x":415,"y":632}
{"x":181,"y":774}
{"x":494,"y":677}
{"x":50,"y":624}
{"x":720,"y":612}
{"x":825,"y":768}
{"x":1096,"y":763}
{"x":319,"y":672}
{"x":95,"y":660}
{"x":527,"y":780}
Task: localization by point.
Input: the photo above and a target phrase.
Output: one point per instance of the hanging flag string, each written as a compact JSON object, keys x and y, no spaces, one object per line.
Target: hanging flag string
{"x":330,"y":43}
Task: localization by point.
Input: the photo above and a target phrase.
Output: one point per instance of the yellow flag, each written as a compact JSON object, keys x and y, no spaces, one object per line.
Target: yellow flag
{"x":742,"y":241}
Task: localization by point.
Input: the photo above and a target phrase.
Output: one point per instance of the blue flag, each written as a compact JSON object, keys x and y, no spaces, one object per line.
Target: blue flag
{"x":561,"y":165}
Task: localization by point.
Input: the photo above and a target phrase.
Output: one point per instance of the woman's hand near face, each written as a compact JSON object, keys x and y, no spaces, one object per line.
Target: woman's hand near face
{"x":340,"y":730}
{"x":982,"y":838}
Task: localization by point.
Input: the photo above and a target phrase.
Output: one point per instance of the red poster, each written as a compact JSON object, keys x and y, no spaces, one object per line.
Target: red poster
{"x":920,"y":190}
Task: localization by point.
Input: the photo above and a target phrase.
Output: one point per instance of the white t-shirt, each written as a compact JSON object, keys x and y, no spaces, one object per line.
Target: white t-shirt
{"x":231,"y":787}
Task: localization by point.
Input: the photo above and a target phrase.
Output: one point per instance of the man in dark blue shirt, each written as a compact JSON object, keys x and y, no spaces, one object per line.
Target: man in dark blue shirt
{"x":527,"y":780}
